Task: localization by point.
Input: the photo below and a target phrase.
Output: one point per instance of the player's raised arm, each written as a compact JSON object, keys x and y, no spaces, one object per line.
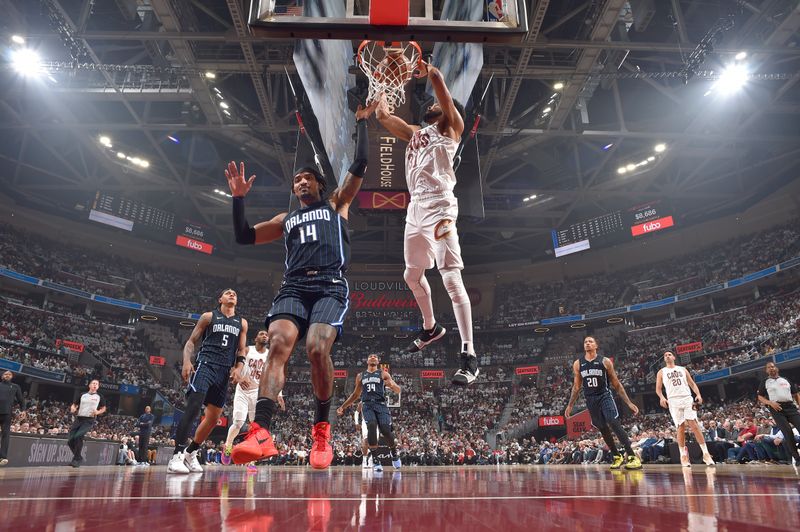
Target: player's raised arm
{"x":263,"y":232}
{"x":577,"y":381}
{"x":343,"y":196}
{"x":394,"y":124}
{"x":189,"y":347}
{"x":614,"y":381}
{"x":353,"y":397}
{"x":453,"y":119}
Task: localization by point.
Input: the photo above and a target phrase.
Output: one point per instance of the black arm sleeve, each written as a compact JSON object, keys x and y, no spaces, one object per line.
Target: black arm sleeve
{"x":359,"y":166}
{"x":762,"y":389}
{"x":244,"y":233}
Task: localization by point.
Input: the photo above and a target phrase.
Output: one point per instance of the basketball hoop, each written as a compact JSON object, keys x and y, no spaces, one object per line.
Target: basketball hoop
{"x":389,"y":66}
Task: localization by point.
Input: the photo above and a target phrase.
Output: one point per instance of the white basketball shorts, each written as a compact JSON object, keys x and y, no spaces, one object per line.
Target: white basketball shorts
{"x":680,"y":408}
{"x":431,"y":235}
{"x":244,"y":405}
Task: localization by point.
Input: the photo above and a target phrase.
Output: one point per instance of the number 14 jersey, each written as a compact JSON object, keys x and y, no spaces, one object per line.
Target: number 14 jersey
{"x":317,"y":242}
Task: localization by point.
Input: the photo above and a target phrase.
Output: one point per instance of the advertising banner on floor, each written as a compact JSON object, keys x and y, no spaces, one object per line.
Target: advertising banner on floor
{"x":33,"y":451}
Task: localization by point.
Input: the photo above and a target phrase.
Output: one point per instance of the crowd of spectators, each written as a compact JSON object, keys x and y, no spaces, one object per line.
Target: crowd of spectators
{"x":31,"y":335}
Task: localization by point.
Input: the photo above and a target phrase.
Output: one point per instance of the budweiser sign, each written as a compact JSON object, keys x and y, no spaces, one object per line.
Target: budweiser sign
{"x":431,"y":374}
{"x":551,"y":421}
{"x":361,"y":300}
{"x":158,"y":361}
{"x":692,"y":347}
{"x":527,"y":370}
{"x":340,"y":374}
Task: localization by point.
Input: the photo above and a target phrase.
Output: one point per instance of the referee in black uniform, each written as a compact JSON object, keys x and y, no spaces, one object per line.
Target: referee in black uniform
{"x":776,"y":392}
{"x":8,"y":392}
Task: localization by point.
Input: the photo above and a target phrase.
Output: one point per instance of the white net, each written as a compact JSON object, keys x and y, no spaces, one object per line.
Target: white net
{"x":388,"y":66}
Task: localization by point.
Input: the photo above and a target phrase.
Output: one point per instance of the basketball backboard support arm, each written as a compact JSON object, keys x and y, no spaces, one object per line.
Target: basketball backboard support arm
{"x":267,"y":23}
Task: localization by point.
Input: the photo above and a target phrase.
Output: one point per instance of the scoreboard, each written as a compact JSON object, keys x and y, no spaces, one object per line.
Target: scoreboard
{"x":148,"y":222}
{"x":612,"y":228}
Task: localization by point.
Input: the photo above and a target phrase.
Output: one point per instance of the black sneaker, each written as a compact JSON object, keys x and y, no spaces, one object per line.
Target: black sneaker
{"x":75,"y":463}
{"x":425,"y":338}
{"x":469,"y":370}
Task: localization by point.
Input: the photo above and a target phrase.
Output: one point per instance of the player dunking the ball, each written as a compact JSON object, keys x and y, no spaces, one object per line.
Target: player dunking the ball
{"x":595,"y":373}
{"x":430,"y":231}
{"x":244,"y":399}
{"x":371,"y":389}
{"x":680,"y":385}
{"x":314,"y":296}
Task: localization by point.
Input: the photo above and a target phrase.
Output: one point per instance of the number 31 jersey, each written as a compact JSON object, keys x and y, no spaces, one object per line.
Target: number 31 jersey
{"x":316,"y":240}
{"x":674,"y":380}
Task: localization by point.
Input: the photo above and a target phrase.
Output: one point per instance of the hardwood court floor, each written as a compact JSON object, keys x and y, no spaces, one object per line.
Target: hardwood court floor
{"x":497,"y":498}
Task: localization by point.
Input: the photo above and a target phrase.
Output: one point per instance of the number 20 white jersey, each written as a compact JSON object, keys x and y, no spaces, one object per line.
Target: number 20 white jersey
{"x":675,"y":382}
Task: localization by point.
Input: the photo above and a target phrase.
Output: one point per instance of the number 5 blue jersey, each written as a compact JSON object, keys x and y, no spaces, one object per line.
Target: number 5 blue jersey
{"x":221,"y":340}
{"x":316,"y":240}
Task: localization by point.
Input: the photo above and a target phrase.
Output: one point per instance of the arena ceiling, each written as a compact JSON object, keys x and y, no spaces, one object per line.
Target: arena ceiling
{"x":622,"y":95}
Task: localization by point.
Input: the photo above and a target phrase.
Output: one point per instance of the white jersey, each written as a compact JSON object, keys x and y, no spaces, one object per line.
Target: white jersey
{"x":675,"y":382}
{"x":429,"y":162}
{"x":254,"y":364}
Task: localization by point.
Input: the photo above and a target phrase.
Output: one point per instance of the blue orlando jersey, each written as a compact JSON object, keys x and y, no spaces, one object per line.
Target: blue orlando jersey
{"x":595,"y":376}
{"x":317,"y":241}
{"x":372,"y":389}
{"x":221,"y":340}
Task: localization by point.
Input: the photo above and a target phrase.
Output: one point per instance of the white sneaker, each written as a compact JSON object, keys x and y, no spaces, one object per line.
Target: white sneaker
{"x":190,"y":460}
{"x":177,"y":464}
{"x":707,"y":460}
{"x":685,"y":460}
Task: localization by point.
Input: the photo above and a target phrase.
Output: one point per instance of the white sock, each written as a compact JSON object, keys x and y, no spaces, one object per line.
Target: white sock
{"x":462,"y":308}
{"x":418,"y":283}
{"x":704,"y":448}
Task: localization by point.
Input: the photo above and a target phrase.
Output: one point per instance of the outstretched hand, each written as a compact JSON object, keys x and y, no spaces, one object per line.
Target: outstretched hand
{"x":382,"y":111}
{"x":235,"y":176}
{"x":365,"y":112}
{"x":423,"y":69}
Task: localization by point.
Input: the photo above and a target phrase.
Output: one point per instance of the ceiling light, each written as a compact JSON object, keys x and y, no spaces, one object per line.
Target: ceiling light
{"x":26,"y":62}
{"x":526,"y":199}
{"x":740,"y":56}
{"x":145,"y":163}
{"x":18,"y":39}
{"x":135,"y":160}
{"x":176,"y":140}
{"x":227,"y":113}
{"x":224,"y":105}
{"x":547,"y":109}
{"x":642,"y":163}
{"x":660,"y":148}
{"x":558,"y":86}
{"x":105,"y":141}
{"x":732,"y":79}
{"x":218,"y":91}
{"x":630,"y":167}
{"x":533,"y":196}
{"x":210,"y":75}
{"x":621,"y":170}
{"x":608,"y":146}
{"x":651,"y":158}
{"x":120,"y":155}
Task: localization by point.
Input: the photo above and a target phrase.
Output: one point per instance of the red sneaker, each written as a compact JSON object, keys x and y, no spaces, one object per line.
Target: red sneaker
{"x":321,"y":454}
{"x":257,"y":444}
